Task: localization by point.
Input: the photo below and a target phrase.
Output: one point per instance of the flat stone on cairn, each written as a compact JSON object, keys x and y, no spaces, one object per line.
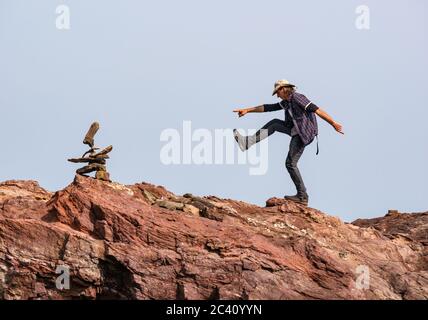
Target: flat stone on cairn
{"x":96,"y":160}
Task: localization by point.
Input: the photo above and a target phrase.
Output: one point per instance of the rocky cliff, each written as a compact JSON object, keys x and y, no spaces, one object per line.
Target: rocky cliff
{"x":144,"y":242}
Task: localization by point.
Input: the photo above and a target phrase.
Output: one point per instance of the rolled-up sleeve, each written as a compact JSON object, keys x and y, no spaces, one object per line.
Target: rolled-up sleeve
{"x":305,"y":103}
{"x":272,"y":107}
{"x":312,"y":107}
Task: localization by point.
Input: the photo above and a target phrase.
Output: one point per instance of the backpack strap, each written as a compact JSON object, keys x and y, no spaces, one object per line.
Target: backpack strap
{"x":318,"y":149}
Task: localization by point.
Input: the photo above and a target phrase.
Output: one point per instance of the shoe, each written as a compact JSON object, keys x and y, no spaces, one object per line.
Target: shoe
{"x":242,"y":141}
{"x":297,"y":199}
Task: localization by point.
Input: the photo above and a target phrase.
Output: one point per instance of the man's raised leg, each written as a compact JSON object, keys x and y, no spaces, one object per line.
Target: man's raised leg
{"x":245,"y":142}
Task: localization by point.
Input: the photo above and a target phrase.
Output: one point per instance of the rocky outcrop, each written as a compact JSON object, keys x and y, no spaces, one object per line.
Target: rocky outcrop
{"x":412,"y":226}
{"x":144,"y":242}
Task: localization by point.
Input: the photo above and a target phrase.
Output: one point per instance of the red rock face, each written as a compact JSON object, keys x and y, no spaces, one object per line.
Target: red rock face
{"x":143,"y":242}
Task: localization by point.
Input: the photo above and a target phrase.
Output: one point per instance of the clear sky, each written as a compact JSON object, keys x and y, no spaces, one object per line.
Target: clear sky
{"x":139,"y":67}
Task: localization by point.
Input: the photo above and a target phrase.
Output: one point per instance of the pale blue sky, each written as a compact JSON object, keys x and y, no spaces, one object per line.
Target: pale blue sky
{"x":139,"y":67}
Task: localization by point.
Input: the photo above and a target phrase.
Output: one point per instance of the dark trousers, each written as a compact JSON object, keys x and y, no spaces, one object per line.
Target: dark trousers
{"x":295,"y":151}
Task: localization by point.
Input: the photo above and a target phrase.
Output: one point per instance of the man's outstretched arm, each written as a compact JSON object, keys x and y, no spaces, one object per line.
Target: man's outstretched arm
{"x":243,"y":112}
{"x":325,"y":116}
{"x":261,"y":108}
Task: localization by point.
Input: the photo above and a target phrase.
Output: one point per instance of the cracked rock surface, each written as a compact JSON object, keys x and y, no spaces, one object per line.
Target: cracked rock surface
{"x":144,"y":242}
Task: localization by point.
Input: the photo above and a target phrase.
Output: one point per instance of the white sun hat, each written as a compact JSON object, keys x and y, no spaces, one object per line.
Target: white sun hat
{"x":280,"y":84}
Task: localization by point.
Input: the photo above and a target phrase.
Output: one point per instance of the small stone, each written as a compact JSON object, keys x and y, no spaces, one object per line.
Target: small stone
{"x":149,"y":196}
{"x":102,"y":175}
{"x":392,"y":213}
{"x":174,"y":198}
{"x":212,"y":214}
{"x":170,"y":205}
{"x":191,"y":209}
{"x":273,"y":202}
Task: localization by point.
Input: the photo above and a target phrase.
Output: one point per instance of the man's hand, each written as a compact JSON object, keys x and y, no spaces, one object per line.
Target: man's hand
{"x":241,"y":112}
{"x":337,"y":127}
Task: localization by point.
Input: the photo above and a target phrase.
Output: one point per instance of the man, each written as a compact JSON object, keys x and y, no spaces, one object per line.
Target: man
{"x":300,"y":123}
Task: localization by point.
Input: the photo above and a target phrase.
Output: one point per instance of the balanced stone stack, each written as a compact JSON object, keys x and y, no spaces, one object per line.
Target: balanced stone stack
{"x":96,"y":160}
